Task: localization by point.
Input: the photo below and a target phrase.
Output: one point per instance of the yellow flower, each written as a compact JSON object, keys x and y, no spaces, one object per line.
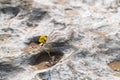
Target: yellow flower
{"x":42,"y":39}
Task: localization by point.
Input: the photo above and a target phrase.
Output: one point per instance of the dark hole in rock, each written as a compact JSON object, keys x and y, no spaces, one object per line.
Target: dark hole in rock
{"x":45,"y":60}
{"x":10,"y":10}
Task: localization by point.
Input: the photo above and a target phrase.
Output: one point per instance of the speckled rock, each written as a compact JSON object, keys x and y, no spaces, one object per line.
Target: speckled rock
{"x":86,"y":31}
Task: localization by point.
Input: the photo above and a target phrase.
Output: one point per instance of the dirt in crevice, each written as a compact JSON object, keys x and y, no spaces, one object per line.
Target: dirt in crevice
{"x":115,"y":65}
{"x":45,"y":60}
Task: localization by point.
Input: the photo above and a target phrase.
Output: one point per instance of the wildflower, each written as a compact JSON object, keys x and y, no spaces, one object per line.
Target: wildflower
{"x":42,"y":39}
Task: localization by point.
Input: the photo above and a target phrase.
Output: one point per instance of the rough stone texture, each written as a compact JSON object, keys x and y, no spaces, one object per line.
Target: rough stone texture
{"x":87,"y":31}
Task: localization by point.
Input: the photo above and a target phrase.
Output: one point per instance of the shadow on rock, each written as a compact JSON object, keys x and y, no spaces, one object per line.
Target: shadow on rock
{"x":10,"y":11}
{"x":37,"y":14}
{"x":7,"y":69}
{"x":33,"y":40}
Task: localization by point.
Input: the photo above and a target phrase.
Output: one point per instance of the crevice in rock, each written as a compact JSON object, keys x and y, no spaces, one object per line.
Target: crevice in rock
{"x":46,"y":59}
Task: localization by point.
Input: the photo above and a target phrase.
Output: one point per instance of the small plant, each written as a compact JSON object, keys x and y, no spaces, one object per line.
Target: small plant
{"x":42,"y":40}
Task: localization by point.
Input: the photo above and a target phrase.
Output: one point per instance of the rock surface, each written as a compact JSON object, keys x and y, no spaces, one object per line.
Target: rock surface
{"x":86,"y":31}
